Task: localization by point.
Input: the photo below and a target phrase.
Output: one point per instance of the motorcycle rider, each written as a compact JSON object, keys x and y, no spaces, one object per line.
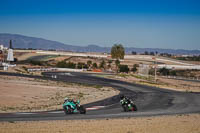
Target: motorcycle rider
{"x":124,"y":99}
{"x":66,"y":99}
{"x":70,"y":100}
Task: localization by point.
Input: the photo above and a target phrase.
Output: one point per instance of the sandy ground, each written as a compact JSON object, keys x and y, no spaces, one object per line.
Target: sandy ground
{"x":159,"y":124}
{"x":27,"y":94}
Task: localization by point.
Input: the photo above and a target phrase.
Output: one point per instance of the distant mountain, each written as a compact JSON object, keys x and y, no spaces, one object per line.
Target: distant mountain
{"x":20,"y":41}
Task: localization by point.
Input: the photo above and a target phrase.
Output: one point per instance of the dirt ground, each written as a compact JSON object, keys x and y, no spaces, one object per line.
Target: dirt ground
{"x":160,"y":124}
{"x":28,"y":94}
{"x":172,"y":84}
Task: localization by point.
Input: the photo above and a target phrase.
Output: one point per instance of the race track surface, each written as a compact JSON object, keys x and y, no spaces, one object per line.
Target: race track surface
{"x":151,"y":101}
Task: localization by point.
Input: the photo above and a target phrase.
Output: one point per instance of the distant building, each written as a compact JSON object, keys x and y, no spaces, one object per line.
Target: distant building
{"x":10,"y":55}
{"x":10,"y":52}
{"x":1,"y":47}
{"x":143,"y":69}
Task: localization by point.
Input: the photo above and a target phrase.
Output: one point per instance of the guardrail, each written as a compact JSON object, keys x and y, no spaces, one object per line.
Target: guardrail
{"x":55,"y":69}
{"x":182,"y":78}
{"x":197,"y":67}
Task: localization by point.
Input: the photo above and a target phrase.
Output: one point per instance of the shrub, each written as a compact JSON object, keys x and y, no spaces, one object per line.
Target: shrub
{"x":39,"y":63}
{"x":164,"y":71}
{"x":123,"y":68}
{"x":134,"y":69}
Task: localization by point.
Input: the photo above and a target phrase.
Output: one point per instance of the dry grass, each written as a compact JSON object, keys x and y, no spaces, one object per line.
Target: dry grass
{"x":162,"y":124}
{"x":27,"y":94}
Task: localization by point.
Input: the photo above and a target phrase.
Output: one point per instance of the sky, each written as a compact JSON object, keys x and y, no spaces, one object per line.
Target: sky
{"x":173,"y":24}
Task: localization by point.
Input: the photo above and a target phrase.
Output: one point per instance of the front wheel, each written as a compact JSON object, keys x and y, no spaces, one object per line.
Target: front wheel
{"x":68,"y":110}
{"x":82,"y":110}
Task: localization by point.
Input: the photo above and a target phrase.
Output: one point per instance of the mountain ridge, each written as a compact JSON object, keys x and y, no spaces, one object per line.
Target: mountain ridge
{"x":25,"y":42}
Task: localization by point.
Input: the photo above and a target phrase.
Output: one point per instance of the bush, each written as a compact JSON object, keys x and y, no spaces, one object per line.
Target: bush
{"x":134,"y":69}
{"x":164,"y":71}
{"x":173,"y":73}
{"x":123,"y":68}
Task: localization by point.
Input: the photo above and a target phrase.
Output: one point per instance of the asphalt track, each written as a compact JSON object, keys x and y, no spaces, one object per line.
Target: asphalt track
{"x":151,"y":101}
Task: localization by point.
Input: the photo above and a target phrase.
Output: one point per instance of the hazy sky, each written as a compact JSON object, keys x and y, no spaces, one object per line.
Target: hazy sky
{"x":134,"y":23}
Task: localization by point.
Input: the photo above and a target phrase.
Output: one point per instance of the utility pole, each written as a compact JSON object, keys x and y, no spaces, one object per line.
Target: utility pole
{"x":155,"y":67}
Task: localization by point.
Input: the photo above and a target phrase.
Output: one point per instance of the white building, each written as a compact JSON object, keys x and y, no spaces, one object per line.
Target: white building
{"x":10,"y":55}
{"x":1,"y":47}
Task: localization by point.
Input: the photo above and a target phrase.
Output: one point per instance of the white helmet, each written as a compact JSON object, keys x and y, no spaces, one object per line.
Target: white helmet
{"x":66,"y":98}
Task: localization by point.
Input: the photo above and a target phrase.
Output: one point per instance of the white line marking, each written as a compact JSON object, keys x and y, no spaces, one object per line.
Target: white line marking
{"x":56,"y":112}
{"x":24,"y":113}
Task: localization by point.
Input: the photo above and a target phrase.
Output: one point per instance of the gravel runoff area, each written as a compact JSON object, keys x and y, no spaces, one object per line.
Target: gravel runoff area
{"x":20,"y":94}
{"x":159,"y":124}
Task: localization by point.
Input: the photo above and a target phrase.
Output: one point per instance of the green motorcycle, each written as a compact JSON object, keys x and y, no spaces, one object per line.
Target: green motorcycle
{"x":71,"y":107}
{"x":128,"y":105}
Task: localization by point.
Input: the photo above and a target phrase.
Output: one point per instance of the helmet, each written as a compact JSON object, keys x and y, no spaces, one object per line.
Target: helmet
{"x":66,"y":99}
{"x":122,"y":96}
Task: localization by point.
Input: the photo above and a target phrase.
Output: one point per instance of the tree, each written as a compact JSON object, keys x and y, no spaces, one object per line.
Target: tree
{"x":123,"y":68}
{"x":94,"y":65}
{"x":146,"y":53}
{"x":152,"y":53}
{"x":102,"y":64}
{"x":89,"y":63}
{"x":117,"y":51}
{"x":134,"y":53}
{"x":117,"y":63}
{"x":109,"y":63}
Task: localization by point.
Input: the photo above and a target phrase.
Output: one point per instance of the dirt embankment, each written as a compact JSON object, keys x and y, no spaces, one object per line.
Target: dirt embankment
{"x":160,"y":124}
{"x":28,"y":94}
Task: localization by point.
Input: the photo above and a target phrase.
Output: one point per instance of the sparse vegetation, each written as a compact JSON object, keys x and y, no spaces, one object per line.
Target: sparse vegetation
{"x":63,"y":64}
